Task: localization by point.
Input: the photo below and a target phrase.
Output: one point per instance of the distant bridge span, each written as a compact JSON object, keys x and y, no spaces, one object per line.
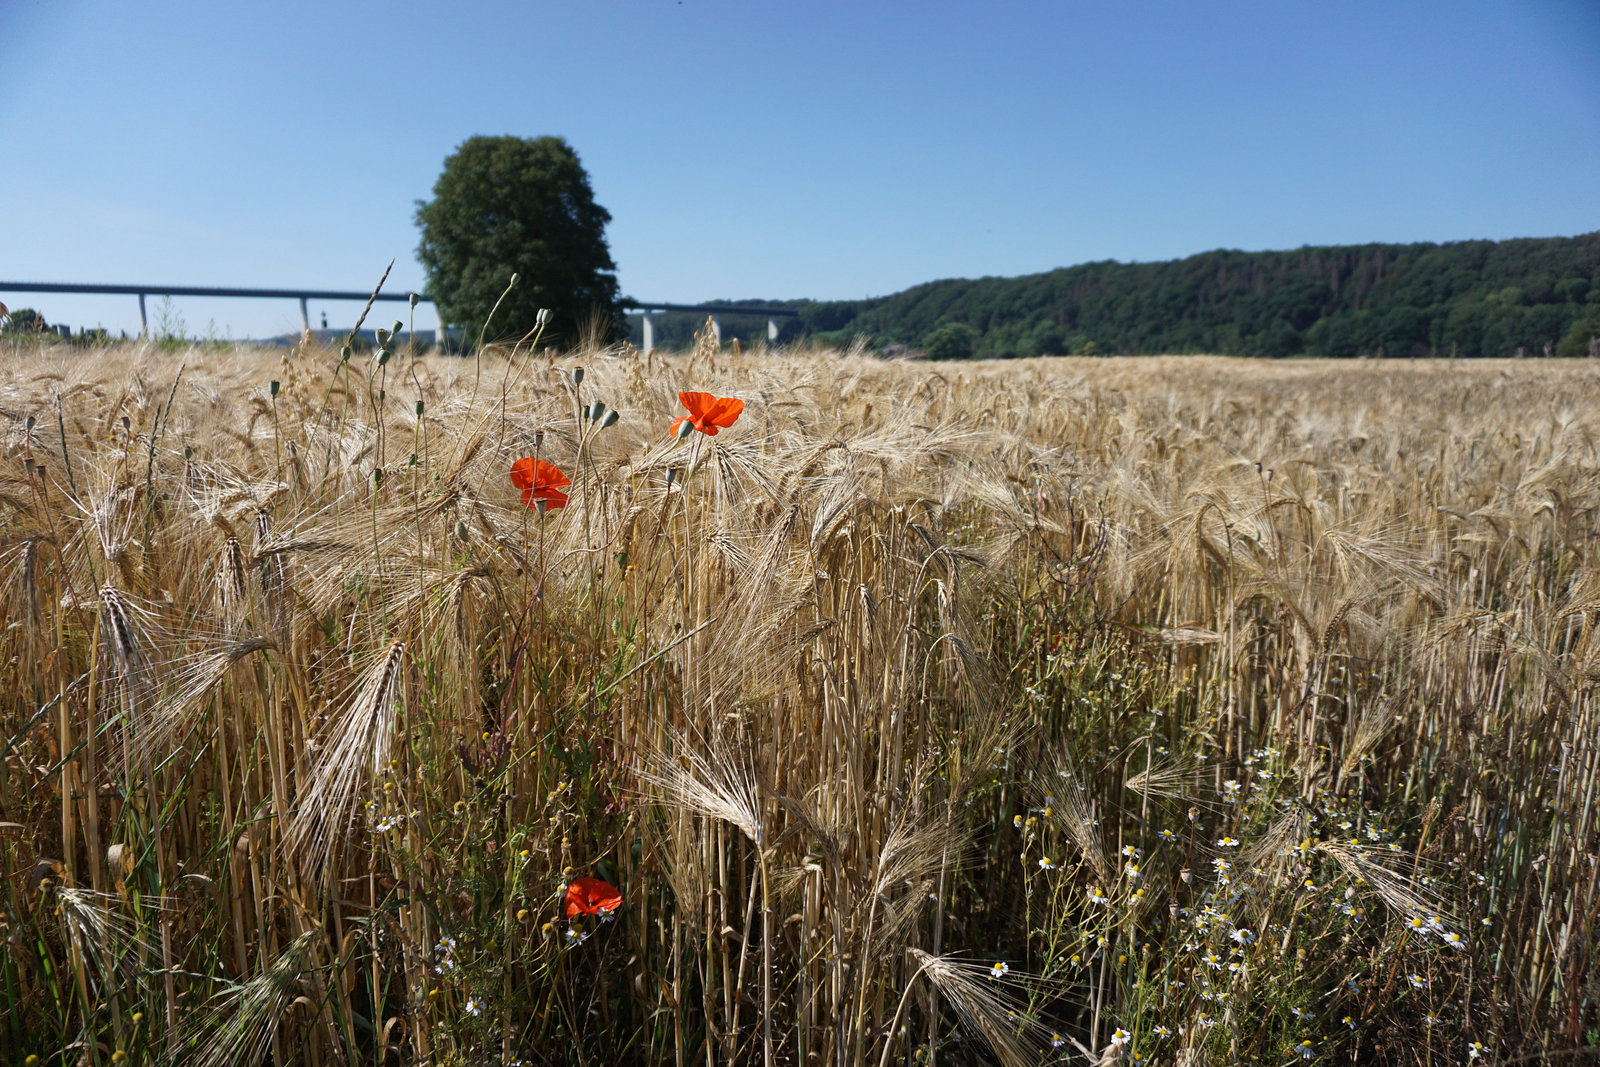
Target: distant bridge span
{"x":640,"y":307}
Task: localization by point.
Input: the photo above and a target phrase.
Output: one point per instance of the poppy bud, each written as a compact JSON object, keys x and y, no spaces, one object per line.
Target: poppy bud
{"x":597,"y":411}
{"x":542,"y":318}
{"x":577,"y":375}
{"x":515,"y":277}
{"x":419,"y":409}
{"x":382,"y":335}
{"x":610,"y":419}
{"x":396,"y":328}
{"x":415,"y":300}
{"x":383,"y":356}
{"x":377,"y":477}
{"x":672,"y":476}
{"x":685,"y":428}
{"x":272,"y":387}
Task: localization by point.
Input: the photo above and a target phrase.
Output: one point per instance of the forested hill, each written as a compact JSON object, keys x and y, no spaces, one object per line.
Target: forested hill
{"x":1467,"y":298}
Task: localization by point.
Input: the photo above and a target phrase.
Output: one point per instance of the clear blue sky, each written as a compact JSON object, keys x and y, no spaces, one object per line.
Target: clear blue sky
{"x":822,"y":149}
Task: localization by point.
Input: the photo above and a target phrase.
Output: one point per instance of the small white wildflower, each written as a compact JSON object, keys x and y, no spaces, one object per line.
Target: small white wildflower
{"x":1000,"y":970}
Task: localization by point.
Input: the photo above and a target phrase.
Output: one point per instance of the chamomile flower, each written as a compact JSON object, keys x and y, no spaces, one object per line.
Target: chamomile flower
{"x":1120,"y":1037}
{"x":1000,"y":969}
{"x":1417,"y":981}
{"x":1161,"y":1031}
{"x":1227,"y":842}
{"x":1476,"y":1050}
{"x":474,"y":1006}
{"x":1306,"y":1052}
{"x":1057,"y":1041}
{"x":1045,"y":864}
{"x":1098,"y":896}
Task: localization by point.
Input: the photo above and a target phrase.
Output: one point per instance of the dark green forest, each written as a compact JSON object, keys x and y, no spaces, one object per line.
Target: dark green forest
{"x":1536,"y":296}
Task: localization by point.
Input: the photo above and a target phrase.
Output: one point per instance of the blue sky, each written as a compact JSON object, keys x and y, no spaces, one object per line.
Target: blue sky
{"x":825,"y":149}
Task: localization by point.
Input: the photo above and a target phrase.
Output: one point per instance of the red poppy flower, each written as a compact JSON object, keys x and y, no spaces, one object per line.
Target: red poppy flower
{"x":538,"y":481}
{"x":592,"y":896}
{"x":708,"y":414}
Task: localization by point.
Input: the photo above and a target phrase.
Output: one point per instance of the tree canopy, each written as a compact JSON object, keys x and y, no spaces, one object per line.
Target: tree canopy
{"x":1467,"y":298}
{"x":514,"y":205}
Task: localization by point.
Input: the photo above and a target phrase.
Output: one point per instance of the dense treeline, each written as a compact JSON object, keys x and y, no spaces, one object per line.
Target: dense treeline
{"x":1469,"y":298}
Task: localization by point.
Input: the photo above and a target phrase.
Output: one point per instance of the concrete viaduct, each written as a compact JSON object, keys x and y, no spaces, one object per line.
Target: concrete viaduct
{"x":633,"y":307}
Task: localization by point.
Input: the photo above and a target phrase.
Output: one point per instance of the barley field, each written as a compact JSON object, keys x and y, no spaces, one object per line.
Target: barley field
{"x":1142,"y":711}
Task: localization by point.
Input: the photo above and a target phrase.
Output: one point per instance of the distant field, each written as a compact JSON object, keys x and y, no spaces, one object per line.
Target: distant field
{"x":1180,"y":709}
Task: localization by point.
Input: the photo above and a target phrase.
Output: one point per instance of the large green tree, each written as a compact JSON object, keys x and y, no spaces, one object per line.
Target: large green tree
{"x":514,"y":205}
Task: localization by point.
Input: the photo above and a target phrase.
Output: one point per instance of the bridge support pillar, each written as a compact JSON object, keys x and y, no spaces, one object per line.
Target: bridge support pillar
{"x":144,"y":321}
{"x":439,"y":338}
{"x":305,"y":318}
{"x":716,"y":330}
{"x":772,"y":329}
{"x":649,"y":334}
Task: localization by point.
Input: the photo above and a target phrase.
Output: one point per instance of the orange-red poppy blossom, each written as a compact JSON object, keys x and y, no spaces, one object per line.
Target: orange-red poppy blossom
{"x":708,"y":414}
{"x":540,"y":481}
{"x":592,"y":896}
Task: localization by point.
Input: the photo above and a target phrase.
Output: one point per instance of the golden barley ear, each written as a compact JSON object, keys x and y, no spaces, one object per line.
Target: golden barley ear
{"x":353,"y":751}
{"x":236,"y":1027}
